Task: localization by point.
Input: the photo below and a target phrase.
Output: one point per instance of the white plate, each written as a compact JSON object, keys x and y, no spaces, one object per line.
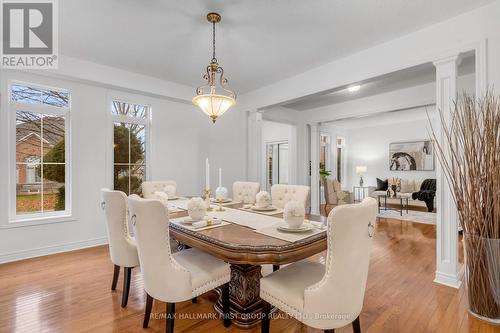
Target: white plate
{"x":264,"y":209}
{"x":223,"y":201}
{"x":189,"y":220}
{"x":303,"y":228}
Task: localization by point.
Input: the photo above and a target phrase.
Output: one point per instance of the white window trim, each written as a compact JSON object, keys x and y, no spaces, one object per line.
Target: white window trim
{"x":16,"y":220}
{"x":113,"y":118}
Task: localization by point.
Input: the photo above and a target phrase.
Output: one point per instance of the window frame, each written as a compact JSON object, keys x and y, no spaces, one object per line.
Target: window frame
{"x":13,"y":107}
{"x":114,"y":118}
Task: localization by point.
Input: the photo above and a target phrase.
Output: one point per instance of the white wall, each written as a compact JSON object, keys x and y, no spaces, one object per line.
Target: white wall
{"x":369,"y":145}
{"x":181,"y":138}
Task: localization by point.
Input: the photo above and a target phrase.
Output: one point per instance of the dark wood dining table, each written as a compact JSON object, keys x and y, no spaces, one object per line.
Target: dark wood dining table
{"x":246,"y":251}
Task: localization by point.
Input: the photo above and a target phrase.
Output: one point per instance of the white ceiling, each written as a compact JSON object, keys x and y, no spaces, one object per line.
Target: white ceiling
{"x":406,"y":78}
{"x":259,"y":41}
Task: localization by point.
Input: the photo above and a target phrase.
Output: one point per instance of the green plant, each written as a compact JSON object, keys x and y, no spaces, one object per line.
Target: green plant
{"x":322,"y":170}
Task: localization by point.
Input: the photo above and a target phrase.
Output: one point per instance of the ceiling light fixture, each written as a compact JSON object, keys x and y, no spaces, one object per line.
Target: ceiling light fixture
{"x":213,"y":98}
{"x":354,"y":88}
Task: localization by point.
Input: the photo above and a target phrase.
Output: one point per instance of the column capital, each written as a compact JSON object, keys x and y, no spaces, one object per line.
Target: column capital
{"x":315,"y":125}
{"x":456,"y":59}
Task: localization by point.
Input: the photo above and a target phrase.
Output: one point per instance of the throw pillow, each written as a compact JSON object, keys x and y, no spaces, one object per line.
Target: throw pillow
{"x":407,"y":186}
{"x":382,"y":185}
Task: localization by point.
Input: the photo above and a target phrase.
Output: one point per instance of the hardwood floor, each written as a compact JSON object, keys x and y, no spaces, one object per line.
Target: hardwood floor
{"x":71,"y":292}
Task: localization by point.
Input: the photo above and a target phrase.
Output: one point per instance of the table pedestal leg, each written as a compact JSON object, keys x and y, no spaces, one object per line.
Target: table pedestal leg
{"x":244,"y":289}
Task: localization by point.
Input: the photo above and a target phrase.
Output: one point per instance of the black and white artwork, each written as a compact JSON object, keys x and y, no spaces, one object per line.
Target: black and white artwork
{"x":411,"y":156}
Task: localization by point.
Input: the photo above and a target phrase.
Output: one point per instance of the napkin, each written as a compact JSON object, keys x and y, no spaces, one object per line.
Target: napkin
{"x":205,"y":223}
{"x":318,"y":225}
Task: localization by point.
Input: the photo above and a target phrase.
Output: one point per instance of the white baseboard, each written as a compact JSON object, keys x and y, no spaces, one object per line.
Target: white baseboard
{"x":448,"y":280}
{"x":43,"y":251}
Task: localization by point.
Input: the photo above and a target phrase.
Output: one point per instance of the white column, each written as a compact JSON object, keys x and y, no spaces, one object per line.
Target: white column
{"x":314,"y":150}
{"x":254,"y":145}
{"x":447,"y":269}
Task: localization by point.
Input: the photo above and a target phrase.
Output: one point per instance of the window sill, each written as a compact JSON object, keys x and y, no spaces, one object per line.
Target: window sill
{"x":28,"y":222}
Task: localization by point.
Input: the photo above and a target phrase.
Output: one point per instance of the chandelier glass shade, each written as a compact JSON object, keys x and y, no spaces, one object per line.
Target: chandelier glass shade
{"x":213,"y":98}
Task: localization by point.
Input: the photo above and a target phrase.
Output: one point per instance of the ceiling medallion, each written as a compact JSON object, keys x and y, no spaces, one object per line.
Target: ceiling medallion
{"x":214,"y":98}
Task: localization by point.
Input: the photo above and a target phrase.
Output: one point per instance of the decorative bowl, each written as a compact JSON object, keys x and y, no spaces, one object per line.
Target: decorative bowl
{"x":170,"y":190}
{"x":262,"y":199}
{"x":294,"y":214}
{"x":221,"y":193}
{"x":196,"y":208}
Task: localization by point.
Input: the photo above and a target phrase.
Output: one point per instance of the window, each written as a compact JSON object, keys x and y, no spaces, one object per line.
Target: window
{"x":130,"y":136}
{"x":41,"y":163}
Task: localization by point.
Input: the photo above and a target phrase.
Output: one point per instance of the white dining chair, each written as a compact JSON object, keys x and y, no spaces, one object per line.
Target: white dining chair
{"x":281,"y":194}
{"x":150,"y":187}
{"x":245,"y":191}
{"x":327,"y":296}
{"x":173,"y":277}
{"x":122,"y":247}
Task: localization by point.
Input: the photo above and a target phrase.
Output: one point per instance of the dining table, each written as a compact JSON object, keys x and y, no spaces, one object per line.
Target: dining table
{"x":246,"y":251}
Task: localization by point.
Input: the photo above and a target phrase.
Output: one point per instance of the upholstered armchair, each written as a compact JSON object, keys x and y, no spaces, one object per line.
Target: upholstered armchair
{"x":281,"y":194}
{"x":327,"y":296}
{"x":245,"y":192}
{"x":122,"y":247}
{"x":150,"y":187}
{"x":172,"y":277}
{"x":334,"y":194}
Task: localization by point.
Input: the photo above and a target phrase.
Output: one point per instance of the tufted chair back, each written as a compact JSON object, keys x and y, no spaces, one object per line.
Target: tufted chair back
{"x":349,"y":233}
{"x":281,"y":194}
{"x":245,"y":191}
{"x":150,"y":187}
{"x":122,"y":247}
{"x":164,"y":278}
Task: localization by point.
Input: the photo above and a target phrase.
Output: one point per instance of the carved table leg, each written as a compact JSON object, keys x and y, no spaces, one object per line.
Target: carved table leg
{"x":244,"y":289}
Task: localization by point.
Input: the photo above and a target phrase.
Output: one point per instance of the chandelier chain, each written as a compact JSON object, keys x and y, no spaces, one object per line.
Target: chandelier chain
{"x":214,"y":59}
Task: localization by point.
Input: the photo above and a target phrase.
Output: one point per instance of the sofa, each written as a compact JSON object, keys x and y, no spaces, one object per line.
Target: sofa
{"x":407,"y":188}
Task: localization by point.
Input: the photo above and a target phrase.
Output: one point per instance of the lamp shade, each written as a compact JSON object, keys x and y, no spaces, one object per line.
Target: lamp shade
{"x":214,"y":105}
{"x":361,"y":169}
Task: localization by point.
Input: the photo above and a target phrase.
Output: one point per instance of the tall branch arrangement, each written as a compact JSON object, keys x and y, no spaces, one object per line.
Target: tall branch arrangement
{"x":469,"y":152}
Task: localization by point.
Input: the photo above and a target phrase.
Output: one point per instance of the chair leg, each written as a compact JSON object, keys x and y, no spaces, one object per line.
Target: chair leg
{"x":116,"y":273}
{"x":194,"y":300}
{"x":147,"y":312}
{"x":276,"y":267}
{"x":356,"y":327}
{"x":127,"y":272}
{"x":225,"y":305}
{"x":266,"y":317}
{"x":170,"y":318}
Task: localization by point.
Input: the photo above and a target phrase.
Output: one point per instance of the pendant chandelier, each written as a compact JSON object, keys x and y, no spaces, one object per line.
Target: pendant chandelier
{"x":213,"y":98}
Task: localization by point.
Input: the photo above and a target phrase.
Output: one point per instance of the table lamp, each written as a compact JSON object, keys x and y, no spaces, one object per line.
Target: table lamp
{"x":360,"y":170}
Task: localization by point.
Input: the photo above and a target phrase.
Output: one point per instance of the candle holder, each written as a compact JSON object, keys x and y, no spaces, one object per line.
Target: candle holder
{"x":219,"y":202}
{"x":208,"y":195}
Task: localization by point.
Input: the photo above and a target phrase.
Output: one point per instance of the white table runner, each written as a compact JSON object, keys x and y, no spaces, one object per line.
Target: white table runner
{"x":180,"y":220}
{"x":245,"y":218}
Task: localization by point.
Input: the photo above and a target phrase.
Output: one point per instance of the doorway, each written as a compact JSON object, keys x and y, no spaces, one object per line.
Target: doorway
{"x":277,"y":159}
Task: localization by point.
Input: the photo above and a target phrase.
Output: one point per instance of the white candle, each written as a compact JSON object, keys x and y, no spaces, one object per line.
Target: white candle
{"x":207,"y":174}
{"x":220,"y":177}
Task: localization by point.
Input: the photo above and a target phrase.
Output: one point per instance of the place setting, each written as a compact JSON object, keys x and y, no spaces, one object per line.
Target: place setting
{"x":197,"y":218}
{"x":263,"y":205}
{"x":294,"y":226}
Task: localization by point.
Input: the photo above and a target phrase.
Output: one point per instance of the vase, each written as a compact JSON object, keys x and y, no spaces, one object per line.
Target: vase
{"x":482,"y":276}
